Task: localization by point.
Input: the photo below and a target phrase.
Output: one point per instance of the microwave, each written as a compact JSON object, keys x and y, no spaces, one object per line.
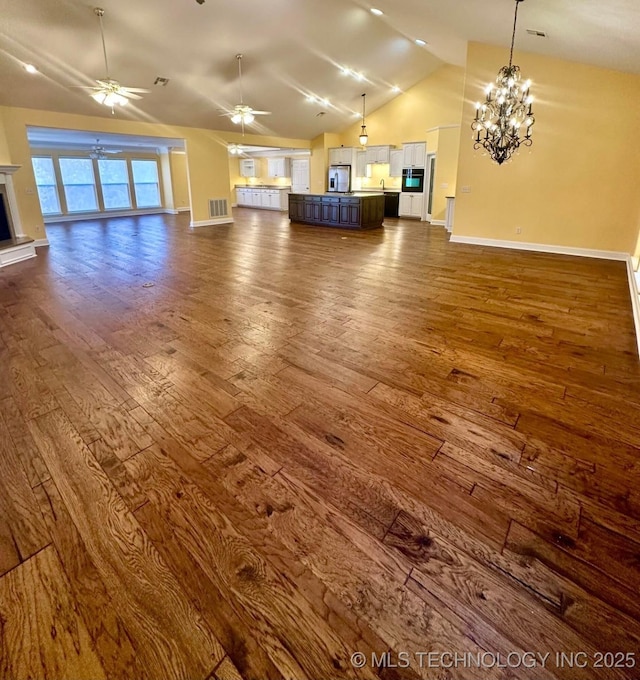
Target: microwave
{"x":413,"y":180}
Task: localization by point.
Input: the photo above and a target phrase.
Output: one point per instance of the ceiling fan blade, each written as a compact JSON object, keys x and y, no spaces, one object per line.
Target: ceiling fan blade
{"x":129,"y":95}
{"x":260,"y":113}
{"x":133,"y":89}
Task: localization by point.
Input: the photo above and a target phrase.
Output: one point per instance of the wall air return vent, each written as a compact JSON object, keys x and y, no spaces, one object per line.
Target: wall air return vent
{"x":218,"y":207}
{"x":538,"y":34}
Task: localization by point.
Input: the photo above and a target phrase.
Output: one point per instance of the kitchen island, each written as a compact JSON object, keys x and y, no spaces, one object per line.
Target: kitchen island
{"x":359,"y":210}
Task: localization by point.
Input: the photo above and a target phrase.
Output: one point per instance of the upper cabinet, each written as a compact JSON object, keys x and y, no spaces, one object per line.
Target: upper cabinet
{"x":378,"y":154}
{"x":278,"y":167}
{"x":342,"y":155}
{"x":362,"y":168}
{"x":248,"y":167}
{"x":414,"y":154}
{"x":396,"y":160}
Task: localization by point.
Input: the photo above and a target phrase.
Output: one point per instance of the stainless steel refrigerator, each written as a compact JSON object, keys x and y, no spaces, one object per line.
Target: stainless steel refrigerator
{"x":339,"y":178}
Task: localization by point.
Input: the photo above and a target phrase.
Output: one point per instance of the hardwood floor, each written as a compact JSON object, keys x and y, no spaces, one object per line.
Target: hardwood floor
{"x":252,"y":451}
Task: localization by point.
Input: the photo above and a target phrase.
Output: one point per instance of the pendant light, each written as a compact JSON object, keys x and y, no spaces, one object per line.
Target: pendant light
{"x":364,"y":137}
{"x":505,"y":119}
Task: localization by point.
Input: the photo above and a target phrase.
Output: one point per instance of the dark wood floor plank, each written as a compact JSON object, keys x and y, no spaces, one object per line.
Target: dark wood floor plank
{"x":106,"y":629}
{"x":262,"y":597}
{"x":353,"y":409}
{"x":42,"y":634}
{"x":147,"y":596}
{"x":19,"y":511}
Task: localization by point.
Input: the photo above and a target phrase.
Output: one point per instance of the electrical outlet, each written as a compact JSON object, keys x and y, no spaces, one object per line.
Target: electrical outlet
{"x":518,"y":230}
{"x":466,"y":190}
{"x":29,"y":190}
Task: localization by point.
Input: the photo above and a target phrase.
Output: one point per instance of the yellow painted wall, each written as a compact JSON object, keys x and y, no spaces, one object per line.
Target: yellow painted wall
{"x":179,"y":179}
{"x":433,"y":102}
{"x":319,"y":161}
{"x":167,"y":184}
{"x":5,"y":156}
{"x":446,"y":170}
{"x":207,"y":157}
{"x":579,"y":185}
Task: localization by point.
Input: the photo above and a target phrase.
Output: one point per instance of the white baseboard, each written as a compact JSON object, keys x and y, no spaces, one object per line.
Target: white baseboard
{"x":103,"y":215}
{"x":210,"y":223}
{"x":540,"y":247}
{"x":9,"y":256}
{"x":185,"y":208}
{"x":438,"y":223}
{"x":41,"y":242}
{"x":635,"y":299}
{"x":176,"y":211}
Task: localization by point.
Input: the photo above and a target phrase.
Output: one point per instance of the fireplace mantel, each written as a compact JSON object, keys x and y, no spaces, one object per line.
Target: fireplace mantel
{"x":22,"y":247}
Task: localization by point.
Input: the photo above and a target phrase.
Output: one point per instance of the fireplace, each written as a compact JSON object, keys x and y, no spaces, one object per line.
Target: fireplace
{"x":6,"y":226}
{"x":14,"y":245}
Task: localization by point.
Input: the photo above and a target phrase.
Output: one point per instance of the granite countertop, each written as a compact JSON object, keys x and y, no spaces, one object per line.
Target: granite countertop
{"x":339,"y":194}
{"x":263,"y":186}
{"x":390,"y":190}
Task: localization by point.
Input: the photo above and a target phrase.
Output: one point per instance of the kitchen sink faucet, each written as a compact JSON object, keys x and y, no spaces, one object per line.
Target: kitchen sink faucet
{"x":382,"y":182}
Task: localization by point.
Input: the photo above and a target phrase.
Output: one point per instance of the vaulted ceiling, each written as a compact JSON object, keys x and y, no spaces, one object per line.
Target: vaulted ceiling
{"x":292,"y":49}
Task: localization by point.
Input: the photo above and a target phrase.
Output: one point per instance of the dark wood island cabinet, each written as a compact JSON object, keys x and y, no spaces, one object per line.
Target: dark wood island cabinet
{"x":346,"y":211}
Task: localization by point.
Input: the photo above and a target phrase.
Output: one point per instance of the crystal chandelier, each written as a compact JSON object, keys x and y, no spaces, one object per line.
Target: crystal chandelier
{"x":364,"y":137}
{"x":505,"y":119}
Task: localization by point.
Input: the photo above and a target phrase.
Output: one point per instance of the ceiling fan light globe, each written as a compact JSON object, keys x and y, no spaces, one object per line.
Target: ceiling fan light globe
{"x":248,"y":118}
{"x":99,"y":97}
{"x":236,"y":118}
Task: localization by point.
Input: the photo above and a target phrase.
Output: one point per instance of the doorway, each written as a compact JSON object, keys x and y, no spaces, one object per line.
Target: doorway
{"x":431,"y":176}
{"x":300,"y":176}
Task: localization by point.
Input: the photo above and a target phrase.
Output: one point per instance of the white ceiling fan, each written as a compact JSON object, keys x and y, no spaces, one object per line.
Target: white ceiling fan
{"x":109,"y":91}
{"x":241,"y":113}
{"x":100,"y":152}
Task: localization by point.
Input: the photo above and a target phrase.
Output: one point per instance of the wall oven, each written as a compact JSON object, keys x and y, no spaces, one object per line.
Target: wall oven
{"x":413,"y":180}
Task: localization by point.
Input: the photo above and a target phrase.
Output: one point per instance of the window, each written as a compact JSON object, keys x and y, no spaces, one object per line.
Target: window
{"x":145,"y":181}
{"x":47,"y":185}
{"x":79,"y":184}
{"x":114,"y":179}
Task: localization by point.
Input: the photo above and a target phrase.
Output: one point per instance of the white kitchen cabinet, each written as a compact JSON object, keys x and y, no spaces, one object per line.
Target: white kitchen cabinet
{"x":341,"y":155}
{"x":414,"y":154}
{"x":278,"y":167}
{"x":242,"y":197}
{"x":411,"y":205}
{"x":378,"y":154}
{"x":396,"y":159}
{"x":248,"y":167}
{"x":362,"y":168}
{"x":262,"y":197}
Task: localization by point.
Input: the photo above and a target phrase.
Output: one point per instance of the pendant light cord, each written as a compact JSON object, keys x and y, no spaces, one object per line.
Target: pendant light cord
{"x":239,"y":58}
{"x":100,"y":13}
{"x":513,"y":37}
{"x":363,"y":102}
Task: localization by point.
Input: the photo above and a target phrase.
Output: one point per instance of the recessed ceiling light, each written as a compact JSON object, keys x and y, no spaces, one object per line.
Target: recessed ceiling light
{"x":325,"y":102}
{"x":395,"y":89}
{"x":420,"y":42}
{"x":346,"y":71}
{"x":377,"y":12}
{"x":30,"y":68}
{"x":311,"y":98}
